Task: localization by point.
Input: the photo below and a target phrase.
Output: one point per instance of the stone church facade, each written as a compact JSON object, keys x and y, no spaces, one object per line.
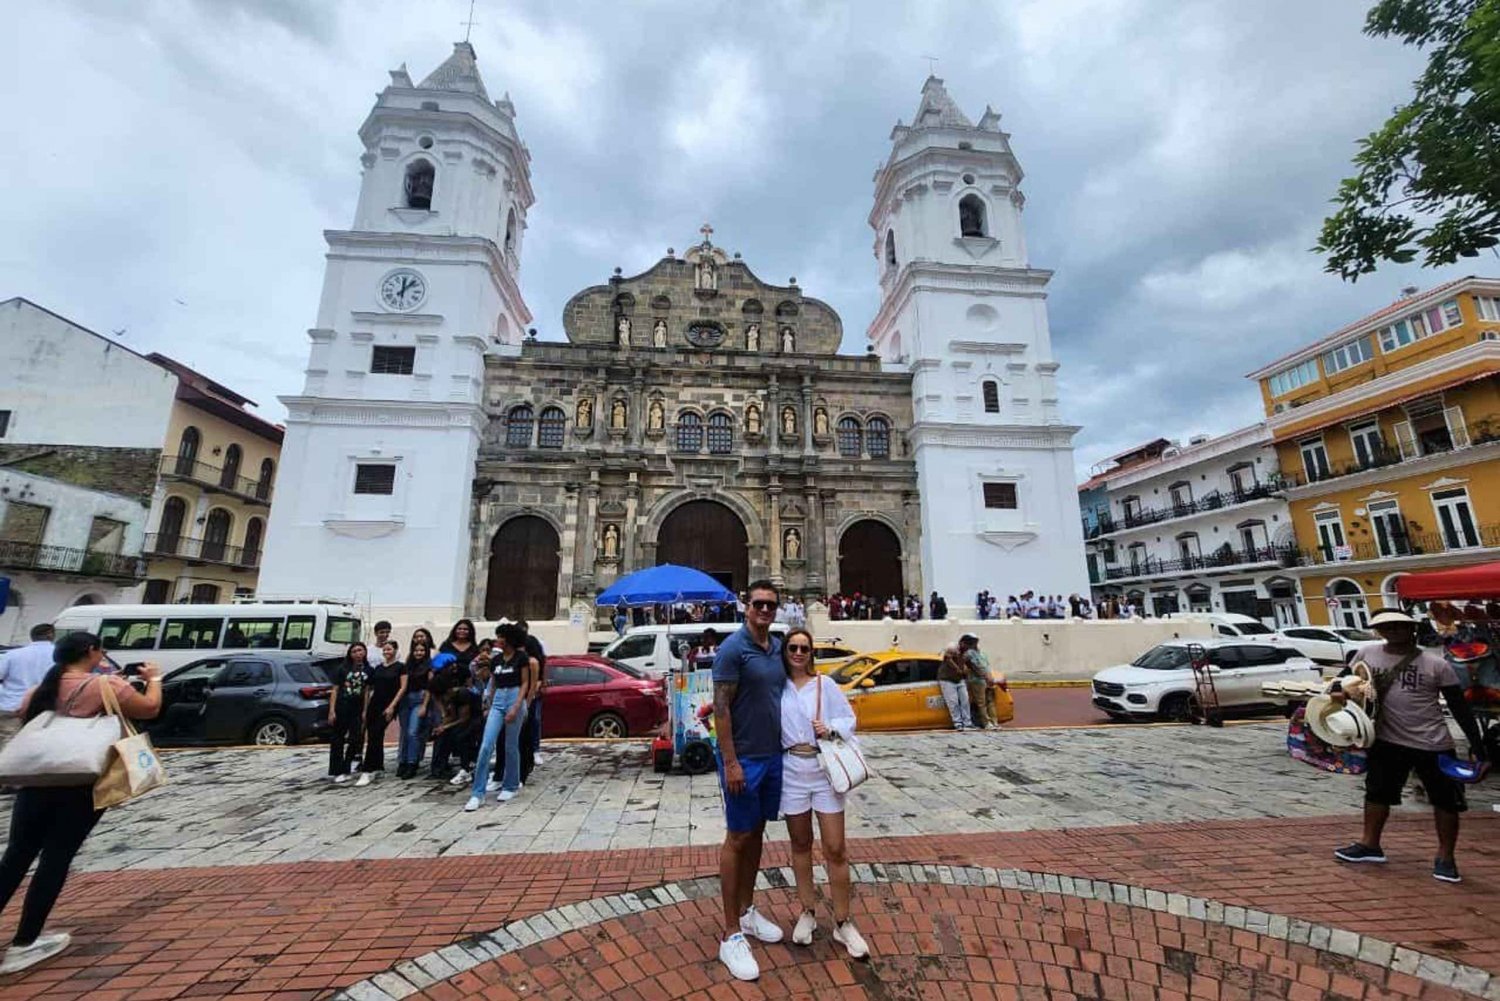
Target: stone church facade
{"x":697,"y":415}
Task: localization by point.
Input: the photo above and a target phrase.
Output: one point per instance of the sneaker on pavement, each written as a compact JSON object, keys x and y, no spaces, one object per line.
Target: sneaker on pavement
{"x":757,"y":925}
{"x":459,"y":778}
{"x":22,"y":957}
{"x":364,"y":778}
{"x":537,"y":759}
{"x":1447,"y":871}
{"x":807,"y":923}
{"x":339,"y":780}
{"x":506,"y":795}
{"x":849,"y":937}
{"x":1359,"y":853}
{"x":734,"y":953}
{"x":493,"y":785}
{"x":472,"y":804}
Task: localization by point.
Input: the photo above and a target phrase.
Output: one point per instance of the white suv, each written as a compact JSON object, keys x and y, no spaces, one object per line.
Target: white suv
{"x":1159,"y":683}
{"x":1327,"y":644}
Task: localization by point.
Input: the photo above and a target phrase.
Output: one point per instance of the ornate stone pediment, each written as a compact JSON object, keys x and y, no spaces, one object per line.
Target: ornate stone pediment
{"x":611,"y":507}
{"x":791,"y":508}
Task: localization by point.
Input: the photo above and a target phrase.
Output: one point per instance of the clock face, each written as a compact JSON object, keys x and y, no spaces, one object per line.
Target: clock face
{"x":403,"y":289}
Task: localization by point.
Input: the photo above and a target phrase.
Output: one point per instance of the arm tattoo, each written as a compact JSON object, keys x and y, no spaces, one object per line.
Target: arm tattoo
{"x":724,"y":692}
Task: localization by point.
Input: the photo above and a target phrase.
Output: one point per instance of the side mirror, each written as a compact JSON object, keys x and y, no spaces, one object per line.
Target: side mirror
{"x":867,"y":683}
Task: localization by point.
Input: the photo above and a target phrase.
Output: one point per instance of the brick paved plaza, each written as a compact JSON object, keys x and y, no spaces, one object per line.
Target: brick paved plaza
{"x":1114,"y":862}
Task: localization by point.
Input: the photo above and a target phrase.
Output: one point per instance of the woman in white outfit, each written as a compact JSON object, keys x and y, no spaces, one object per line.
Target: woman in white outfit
{"x":811,"y":707}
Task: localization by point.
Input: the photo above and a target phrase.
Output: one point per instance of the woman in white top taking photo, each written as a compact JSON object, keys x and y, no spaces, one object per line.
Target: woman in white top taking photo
{"x":812,"y":707}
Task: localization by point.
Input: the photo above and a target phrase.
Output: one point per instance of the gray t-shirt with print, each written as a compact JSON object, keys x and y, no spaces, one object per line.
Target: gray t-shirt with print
{"x":1411,"y":713}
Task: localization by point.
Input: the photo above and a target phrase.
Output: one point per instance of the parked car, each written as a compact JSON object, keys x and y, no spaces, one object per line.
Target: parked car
{"x":1327,"y":644}
{"x":265,"y":697}
{"x":653,"y":650}
{"x":898,"y":690}
{"x":1159,"y":683}
{"x":829,"y":655}
{"x":586,"y":695}
{"x":1229,"y":624}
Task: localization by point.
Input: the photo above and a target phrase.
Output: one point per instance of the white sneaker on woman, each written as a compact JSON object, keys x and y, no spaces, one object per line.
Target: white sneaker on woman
{"x":756,"y":924}
{"x":506,"y":795}
{"x":365,"y":778}
{"x":459,"y":778}
{"x":493,"y":785}
{"x":807,"y":923}
{"x":849,"y":937}
{"x":472,"y":804}
{"x":23,"y":957}
{"x":339,"y":780}
{"x":734,"y":952}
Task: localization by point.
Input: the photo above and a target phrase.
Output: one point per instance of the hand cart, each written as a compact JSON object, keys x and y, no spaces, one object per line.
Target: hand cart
{"x":1206,"y":709}
{"x":689,"y":733}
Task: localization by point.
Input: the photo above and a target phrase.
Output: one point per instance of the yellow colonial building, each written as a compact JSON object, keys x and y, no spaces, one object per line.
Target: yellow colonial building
{"x":213,"y":494}
{"x":1388,"y":437}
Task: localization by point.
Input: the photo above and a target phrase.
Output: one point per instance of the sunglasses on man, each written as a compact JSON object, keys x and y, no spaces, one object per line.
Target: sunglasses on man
{"x":764,"y":605}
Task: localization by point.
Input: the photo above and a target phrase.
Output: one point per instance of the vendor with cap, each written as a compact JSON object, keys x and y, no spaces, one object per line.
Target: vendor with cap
{"x":1411,"y":735}
{"x":979,"y":680}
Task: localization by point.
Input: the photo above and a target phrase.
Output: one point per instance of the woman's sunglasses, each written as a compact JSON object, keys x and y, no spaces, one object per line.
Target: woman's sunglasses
{"x":798,"y":648}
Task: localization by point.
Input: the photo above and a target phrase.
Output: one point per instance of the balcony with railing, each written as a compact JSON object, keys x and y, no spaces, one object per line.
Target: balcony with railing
{"x":1218,"y":500}
{"x":201,"y":550}
{"x":1482,"y":432}
{"x":1398,"y":545}
{"x":1216,"y":562}
{"x":215,"y":479}
{"x":61,"y":559}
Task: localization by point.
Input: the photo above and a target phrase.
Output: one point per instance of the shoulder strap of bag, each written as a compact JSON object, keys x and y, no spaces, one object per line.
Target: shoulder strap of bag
{"x":68,"y":705}
{"x":112,"y":708}
{"x":818,"y":680}
{"x":1385,"y":679}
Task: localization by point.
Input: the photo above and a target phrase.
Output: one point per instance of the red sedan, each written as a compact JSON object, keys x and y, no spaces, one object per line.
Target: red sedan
{"x":586,"y":695}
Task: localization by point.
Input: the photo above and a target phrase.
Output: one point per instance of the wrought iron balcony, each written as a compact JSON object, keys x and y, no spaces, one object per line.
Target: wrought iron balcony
{"x":1222,"y":559}
{"x":1404,"y":544}
{"x":1216,"y":501}
{"x":61,"y":559}
{"x":200,"y":550}
{"x":186,"y":467}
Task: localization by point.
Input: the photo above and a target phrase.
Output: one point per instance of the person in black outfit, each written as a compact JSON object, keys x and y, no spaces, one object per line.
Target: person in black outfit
{"x":458,"y":733}
{"x":415,"y":713}
{"x":346,"y":712}
{"x":387,"y":686}
{"x":462,"y":643}
{"x":532,"y":736}
{"x":937,"y":607}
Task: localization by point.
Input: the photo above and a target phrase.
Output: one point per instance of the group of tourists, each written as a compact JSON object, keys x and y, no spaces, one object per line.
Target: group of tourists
{"x":476,"y":700}
{"x":858,"y":607}
{"x":1030,"y":605}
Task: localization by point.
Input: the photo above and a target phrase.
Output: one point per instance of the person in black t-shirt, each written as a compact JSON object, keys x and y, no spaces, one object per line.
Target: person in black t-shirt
{"x":346,"y":710}
{"x":413,"y":711}
{"x":462,"y":643}
{"x":387,"y":686}
{"x":531,"y":736}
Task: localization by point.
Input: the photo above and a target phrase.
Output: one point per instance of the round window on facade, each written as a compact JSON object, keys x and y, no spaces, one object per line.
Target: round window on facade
{"x":425,"y":142}
{"x":968,"y":178}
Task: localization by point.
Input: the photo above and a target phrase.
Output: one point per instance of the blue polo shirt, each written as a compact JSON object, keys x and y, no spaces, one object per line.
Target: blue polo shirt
{"x":755,"y":713}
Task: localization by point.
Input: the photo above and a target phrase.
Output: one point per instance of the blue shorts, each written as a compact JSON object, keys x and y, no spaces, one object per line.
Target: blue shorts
{"x":761,"y":800}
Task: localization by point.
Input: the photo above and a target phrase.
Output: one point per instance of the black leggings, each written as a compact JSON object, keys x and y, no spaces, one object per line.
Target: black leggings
{"x":52,"y":823}
{"x":375,"y":724}
{"x":348,"y":732}
{"x":528,"y":752}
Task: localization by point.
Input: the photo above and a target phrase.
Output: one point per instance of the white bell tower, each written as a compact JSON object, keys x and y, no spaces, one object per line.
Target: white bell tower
{"x":966,"y":314}
{"x":378,"y":464}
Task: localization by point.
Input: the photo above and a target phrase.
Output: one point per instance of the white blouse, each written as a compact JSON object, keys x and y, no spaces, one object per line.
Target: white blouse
{"x":798,"y":705}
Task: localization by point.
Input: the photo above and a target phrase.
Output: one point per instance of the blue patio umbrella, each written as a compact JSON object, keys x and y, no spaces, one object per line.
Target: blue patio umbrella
{"x":663,"y":585}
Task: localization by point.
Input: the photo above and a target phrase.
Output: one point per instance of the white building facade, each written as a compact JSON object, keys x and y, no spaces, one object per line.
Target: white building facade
{"x":963,"y":310}
{"x":381,"y":443}
{"x":1200,"y":528}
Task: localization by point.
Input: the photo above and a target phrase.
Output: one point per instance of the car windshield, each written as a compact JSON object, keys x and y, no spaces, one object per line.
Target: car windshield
{"x":1163,"y":658}
{"x":1252,"y":628}
{"x":852,"y":670}
{"x":1358,"y":635}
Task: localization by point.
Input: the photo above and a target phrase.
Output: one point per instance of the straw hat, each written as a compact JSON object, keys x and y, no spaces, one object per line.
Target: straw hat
{"x":1391,"y":617}
{"x":1346,"y":725}
{"x":1359,"y":686}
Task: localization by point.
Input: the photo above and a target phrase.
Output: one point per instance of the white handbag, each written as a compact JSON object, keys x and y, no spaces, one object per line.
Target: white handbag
{"x":55,"y":749}
{"x":839,"y":756}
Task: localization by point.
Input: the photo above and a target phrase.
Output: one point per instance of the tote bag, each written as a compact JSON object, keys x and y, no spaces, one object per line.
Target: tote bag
{"x":55,"y":749}
{"x":133,"y":767}
{"x":839,"y":756}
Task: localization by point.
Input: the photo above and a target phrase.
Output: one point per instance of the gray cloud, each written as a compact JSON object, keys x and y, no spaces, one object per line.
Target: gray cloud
{"x":1178,"y":156}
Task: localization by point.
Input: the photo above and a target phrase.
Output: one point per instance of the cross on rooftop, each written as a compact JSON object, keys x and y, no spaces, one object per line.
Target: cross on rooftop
{"x":707,"y":231}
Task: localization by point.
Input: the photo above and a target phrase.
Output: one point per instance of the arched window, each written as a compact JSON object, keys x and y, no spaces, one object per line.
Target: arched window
{"x":216,"y":534}
{"x":890,"y":248}
{"x":229,"y":476}
{"x":550,"y":428}
{"x":991,"y":390}
{"x":419,"y":177}
{"x":510,"y":232}
{"x":878,"y":438}
{"x":1350,"y":610}
{"x":689,"y":432}
{"x":187,"y":451}
{"x":851,"y":438}
{"x":254,"y":529}
{"x":263,"y":485}
{"x":518,"y":427}
{"x":971,"y":221}
{"x":169,"y":532}
{"x":720,"y":433}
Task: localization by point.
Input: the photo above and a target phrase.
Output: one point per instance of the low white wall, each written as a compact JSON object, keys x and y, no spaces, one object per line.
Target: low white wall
{"x":1024,"y":650}
{"x":557,"y":635}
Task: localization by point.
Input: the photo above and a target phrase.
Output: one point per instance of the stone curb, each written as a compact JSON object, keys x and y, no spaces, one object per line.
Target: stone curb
{"x":410,"y":976}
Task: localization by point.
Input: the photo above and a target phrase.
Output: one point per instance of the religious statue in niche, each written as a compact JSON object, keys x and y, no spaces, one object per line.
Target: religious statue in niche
{"x":656,"y":416}
{"x":611,"y":542}
{"x":622,"y":332}
{"x":752,"y":419}
{"x":788,"y":340}
{"x":659,"y":334}
{"x":788,"y":420}
{"x":585,"y":416}
{"x":707,"y":275}
{"x":791,"y":547}
{"x":752,"y":337}
{"x":820,"y":421}
{"x":617,"y":415}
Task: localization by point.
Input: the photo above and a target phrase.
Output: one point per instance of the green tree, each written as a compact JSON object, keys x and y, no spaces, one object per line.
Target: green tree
{"x":1428,"y":181}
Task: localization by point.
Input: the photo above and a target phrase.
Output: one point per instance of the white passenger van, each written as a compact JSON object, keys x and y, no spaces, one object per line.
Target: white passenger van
{"x":1228,"y":624}
{"x":174,"y":635}
{"x":653,"y":650}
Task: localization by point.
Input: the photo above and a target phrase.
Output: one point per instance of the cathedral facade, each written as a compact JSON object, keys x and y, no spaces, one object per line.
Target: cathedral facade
{"x":695,"y":414}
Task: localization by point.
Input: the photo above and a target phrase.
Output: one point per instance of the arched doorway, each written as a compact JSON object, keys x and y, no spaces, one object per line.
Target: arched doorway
{"x":870,"y":560}
{"x":1348,"y":609}
{"x":707,"y":536}
{"x":525,"y":559}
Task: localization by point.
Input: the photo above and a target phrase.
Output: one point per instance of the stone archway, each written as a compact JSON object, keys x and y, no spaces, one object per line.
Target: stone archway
{"x":708,"y":536}
{"x":525,"y":560}
{"x":870,"y":560}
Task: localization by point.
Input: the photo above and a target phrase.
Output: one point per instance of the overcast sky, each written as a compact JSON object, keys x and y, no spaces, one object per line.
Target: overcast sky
{"x":171,"y":165}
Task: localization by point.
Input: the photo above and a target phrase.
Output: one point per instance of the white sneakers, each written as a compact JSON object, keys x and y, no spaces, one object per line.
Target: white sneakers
{"x":849,"y":937}
{"x":536,"y":759}
{"x":472,"y":804}
{"x":734,"y":953}
{"x":506,"y":795}
{"x":339,"y":780}
{"x":22,"y":957}
{"x":807,"y":923}
{"x":365,"y":778}
{"x":756,"y":925}
{"x":459,"y":778}
{"x":493,"y":785}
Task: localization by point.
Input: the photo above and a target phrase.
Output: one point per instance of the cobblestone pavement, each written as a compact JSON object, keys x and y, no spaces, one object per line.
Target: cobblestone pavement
{"x":237,"y":807}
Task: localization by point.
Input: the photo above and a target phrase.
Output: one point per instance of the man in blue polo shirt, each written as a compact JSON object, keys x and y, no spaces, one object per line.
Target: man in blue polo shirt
{"x":748,"y":679}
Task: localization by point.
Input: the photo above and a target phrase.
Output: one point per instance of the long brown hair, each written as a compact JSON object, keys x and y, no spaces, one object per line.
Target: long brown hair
{"x":786,"y":660}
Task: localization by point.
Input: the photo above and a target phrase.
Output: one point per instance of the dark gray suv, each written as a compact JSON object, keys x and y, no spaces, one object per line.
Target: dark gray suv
{"x":244,"y":698}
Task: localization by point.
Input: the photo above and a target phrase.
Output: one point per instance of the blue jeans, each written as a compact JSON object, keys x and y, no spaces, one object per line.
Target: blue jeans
{"x":414,"y":728}
{"x":503,"y":700}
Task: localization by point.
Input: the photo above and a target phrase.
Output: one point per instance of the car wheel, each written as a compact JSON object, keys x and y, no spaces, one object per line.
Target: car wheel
{"x":1179,"y":707}
{"x":273,"y":731}
{"x":607,"y":725}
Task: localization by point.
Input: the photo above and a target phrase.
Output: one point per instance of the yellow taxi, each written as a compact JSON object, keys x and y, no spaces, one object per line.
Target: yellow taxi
{"x":830,"y":654}
{"x":898,"y":690}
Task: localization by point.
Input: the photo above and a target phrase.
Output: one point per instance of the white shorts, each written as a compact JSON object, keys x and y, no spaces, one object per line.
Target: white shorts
{"x":805,"y":787}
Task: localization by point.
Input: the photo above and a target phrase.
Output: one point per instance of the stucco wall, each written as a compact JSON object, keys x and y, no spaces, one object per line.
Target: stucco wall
{"x":558,"y":636}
